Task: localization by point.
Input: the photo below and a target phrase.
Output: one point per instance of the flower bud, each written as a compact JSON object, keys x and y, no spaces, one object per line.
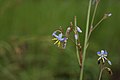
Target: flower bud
{"x":107,"y":15}
{"x":76,"y":36}
{"x":79,"y":30}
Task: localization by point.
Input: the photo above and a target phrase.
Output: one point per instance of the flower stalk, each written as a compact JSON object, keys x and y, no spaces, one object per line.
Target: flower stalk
{"x":101,"y":71}
{"x":76,"y":41}
{"x":86,"y":39}
{"x":101,"y":60}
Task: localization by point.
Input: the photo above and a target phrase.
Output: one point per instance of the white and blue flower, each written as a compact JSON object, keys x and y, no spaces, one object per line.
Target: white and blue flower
{"x":58,"y":38}
{"x":103,"y":57}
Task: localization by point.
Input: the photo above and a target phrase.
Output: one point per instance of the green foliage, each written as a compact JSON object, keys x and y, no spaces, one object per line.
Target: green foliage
{"x":26,"y":49}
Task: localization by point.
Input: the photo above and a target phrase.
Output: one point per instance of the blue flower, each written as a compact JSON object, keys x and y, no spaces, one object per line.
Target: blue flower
{"x":58,"y":38}
{"x":103,"y":57}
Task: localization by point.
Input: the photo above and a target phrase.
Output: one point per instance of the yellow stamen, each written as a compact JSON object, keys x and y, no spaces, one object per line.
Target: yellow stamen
{"x":99,"y":58}
{"x":54,"y":39}
{"x":103,"y":60}
{"x":59,"y":44}
{"x":56,"y":42}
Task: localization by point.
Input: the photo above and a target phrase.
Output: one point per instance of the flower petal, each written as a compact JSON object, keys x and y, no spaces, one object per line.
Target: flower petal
{"x":99,"y":53}
{"x":105,"y":53}
{"x":54,"y":34}
{"x":109,"y":62}
{"x":79,"y":30}
{"x":61,"y":39}
{"x":102,"y":52}
{"x":105,"y":58}
{"x":60,"y":36}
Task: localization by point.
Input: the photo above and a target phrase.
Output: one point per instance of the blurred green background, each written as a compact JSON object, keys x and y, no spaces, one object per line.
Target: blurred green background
{"x":26,"y":49}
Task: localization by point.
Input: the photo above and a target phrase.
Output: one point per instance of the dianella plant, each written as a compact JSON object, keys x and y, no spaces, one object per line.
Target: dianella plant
{"x":61,"y":38}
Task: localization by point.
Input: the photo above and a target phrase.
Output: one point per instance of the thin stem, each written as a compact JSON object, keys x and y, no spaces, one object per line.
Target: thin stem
{"x":98,"y":24}
{"x":73,"y":41}
{"x":94,"y":13}
{"x":93,"y":18}
{"x":95,"y":27}
{"x":101,"y":71}
{"x":76,"y":41}
{"x":100,"y":74}
{"x":86,"y":38}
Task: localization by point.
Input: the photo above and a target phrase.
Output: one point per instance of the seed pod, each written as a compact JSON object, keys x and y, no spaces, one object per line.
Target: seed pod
{"x":69,"y":29}
{"x":109,"y":71}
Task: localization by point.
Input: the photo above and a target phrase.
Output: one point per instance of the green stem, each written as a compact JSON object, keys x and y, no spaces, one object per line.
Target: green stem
{"x":93,"y":18}
{"x":98,"y":23}
{"x":95,"y":27}
{"x":76,"y":41}
{"x":86,"y":37}
{"x":101,"y":71}
{"x":100,"y":74}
